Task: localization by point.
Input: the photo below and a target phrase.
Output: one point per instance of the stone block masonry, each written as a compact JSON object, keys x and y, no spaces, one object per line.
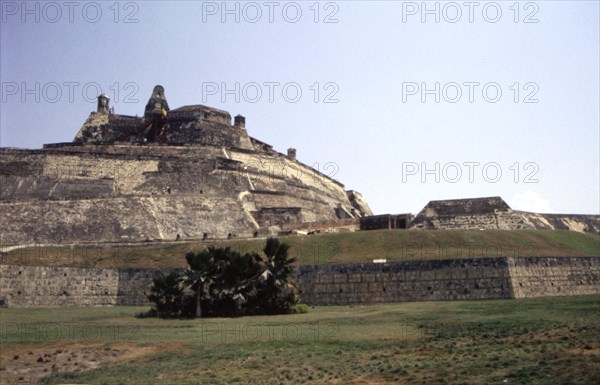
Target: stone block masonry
{"x":448,"y":280}
{"x":185,"y":173}
{"x":342,"y":284}
{"x":33,"y":286}
{"x":24,"y":286}
{"x":121,"y":193}
{"x":445,"y":280}
{"x":546,"y":277}
{"x":494,"y":213}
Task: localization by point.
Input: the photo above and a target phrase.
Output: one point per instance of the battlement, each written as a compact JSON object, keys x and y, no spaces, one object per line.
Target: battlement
{"x":200,"y":113}
{"x":189,"y":125}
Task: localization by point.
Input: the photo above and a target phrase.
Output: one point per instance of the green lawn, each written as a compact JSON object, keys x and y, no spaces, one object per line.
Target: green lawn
{"x":349,"y":247}
{"x":530,"y":341}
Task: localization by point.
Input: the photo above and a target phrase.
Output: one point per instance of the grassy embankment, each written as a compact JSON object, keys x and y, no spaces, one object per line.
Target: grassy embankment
{"x":354,"y":247}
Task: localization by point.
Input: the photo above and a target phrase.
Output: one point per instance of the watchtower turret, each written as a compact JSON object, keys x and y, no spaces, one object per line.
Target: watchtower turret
{"x":291,"y":152}
{"x":103,"y":104}
{"x":239,"y":121}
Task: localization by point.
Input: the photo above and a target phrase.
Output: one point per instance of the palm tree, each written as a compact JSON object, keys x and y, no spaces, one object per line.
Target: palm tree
{"x":273,"y":281}
{"x":222,"y":273}
{"x":234,"y":284}
{"x":203,"y":269}
{"x":167,"y":295}
{"x":231,"y":280}
{"x":277,"y":266}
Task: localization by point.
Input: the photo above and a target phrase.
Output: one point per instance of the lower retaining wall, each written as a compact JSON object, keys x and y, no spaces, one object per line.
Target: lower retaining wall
{"x":134,"y":285}
{"x":32,"y":286}
{"x":546,"y":277}
{"x":24,"y":286}
{"x":444,"y":280}
{"x":344,"y":284}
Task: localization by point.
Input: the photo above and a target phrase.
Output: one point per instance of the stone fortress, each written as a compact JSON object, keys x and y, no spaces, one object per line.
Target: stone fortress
{"x":494,"y":213}
{"x":185,"y":173}
{"x":189,"y":173}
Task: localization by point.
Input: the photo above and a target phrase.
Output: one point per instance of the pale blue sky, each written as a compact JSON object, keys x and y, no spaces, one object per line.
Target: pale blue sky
{"x":370,"y":133}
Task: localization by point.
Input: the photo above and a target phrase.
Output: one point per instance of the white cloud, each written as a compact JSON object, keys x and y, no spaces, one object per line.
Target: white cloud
{"x":530,"y":201}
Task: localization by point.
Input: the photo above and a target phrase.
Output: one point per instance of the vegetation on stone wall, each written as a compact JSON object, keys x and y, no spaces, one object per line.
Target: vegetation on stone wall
{"x":221,"y":282}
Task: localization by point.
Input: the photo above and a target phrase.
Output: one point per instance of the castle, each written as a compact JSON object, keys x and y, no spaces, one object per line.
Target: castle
{"x":189,"y":173}
{"x":186,"y":173}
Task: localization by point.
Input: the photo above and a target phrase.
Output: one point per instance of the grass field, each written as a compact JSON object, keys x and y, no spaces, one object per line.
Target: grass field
{"x":530,"y":341}
{"x":354,"y":247}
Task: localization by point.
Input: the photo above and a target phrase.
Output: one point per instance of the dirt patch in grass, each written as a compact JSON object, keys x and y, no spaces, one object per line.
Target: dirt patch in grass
{"x":543,"y":341}
{"x":364,"y":381}
{"x":28,"y":364}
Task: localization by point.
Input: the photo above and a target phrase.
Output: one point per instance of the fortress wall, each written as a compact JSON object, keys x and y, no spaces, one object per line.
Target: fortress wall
{"x":509,"y":220}
{"x":134,"y":285}
{"x":123,"y":219}
{"x":281,"y":167}
{"x":494,"y":213}
{"x":120,"y":150}
{"x":574,"y":222}
{"x":483,"y":278}
{"x":351,"y":224}
{"x":312,"y":210}
{"x":548,"y":276}
{"x":512,"y":220}
{"x":88,"y":172}
{"x":31,"y":286}
{"x":463,"y":222}
{"x":302,"y":186}
{"x":343,"y":284}
{"x":93,"y":193}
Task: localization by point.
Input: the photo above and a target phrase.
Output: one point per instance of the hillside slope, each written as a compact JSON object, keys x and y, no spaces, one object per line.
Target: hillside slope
{"x":356,"y":247}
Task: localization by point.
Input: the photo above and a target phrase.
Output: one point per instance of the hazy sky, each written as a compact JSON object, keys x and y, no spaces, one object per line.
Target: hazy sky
{"x":351,"y":84}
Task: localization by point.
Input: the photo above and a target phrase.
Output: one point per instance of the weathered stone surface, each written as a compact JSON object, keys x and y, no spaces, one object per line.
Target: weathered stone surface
{"x":344,"y":284}
{"x":100,"y":127}
{"x":494,"y":213}
{"x":405,"y":281}
{"x":482,"y":278}
{"x":27,"y":286}
{"x":210,"y":179}
{"x":359,"y":203}
{"x":548,"y":277}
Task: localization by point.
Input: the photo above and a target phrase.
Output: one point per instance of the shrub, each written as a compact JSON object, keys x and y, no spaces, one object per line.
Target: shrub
{"x":299,"y":308}
{"x":227,"y":284}
{"x":167,"y":295}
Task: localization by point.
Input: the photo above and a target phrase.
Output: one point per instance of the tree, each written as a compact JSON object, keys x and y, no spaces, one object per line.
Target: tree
{"x":232,"y":286}
{"x":226,"y":283}
{"x":274,"y":293}
{"x":278,"y":263}
{"x":167,"y":295}
{"x":203,"y":268}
